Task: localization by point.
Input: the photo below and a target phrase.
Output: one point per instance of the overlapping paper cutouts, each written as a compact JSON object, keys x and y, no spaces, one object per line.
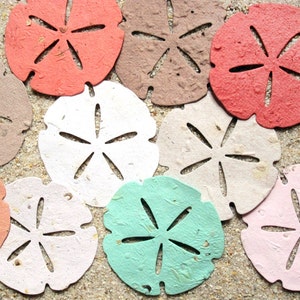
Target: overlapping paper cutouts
{"x":15,"y":115}
{"x":64,"y":43}
{"x":4,"y":215}
{"x":166,"y":48}
{"x":257,"y":65}
{"x":162,"y":235}
{"x":229,"y":161}
{"x":46,"y":244}
{"x":95,"y":144}
{"x":272,"y":238}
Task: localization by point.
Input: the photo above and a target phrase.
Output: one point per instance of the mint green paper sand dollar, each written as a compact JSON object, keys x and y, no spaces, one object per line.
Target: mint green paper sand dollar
{"x":162,"y":234}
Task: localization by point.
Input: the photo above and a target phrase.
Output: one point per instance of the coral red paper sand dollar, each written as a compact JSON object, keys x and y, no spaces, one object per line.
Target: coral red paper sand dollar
{"x":109,"y":146}
{"x":15,"y":115}
{"x":4,"y":215}
{"x":166,"y":48}
{"x":272,"y":238}
{"x":229,"y":161}
{"x":64,"y":43}
{"x":257,"y":65}
{"x":46,"y":244}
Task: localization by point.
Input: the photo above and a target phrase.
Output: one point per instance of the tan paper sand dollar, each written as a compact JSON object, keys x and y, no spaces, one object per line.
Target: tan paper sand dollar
{"x":46,"y":244}
{"x":229,"y":161}
{"x":15,"y":115}
{"x":166,"y":48}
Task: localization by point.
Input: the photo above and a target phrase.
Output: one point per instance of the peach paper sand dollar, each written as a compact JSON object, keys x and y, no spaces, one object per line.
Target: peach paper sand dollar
{"x":4,"y":215}
{"x":63,"y":44}
{"x":272,"y":238}
{"x":15,"y":115}
{"x":166,"y":48}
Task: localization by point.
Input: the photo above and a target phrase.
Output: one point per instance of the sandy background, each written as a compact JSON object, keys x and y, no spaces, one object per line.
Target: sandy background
{"x":233,"y":278}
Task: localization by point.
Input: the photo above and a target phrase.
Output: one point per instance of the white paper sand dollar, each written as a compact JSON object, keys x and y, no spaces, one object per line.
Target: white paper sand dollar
{"x":46,"y":244}
{"x":229,"y":161}
{"x":94,"y":144}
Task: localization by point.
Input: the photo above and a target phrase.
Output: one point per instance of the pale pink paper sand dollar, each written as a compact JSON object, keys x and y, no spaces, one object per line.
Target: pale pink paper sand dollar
{"x":228,"y":161}
{"x":272,"y":238}
{"x":46,"y":244}
{"x":94,"y":144}
{"x":15,"y":115}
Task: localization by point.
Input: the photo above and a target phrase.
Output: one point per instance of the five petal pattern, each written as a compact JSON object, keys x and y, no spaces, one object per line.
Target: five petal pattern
{"x":162,"y":235}
{"x":257,"y":65}
{"x":166,"y":48}
{"x":170,"y":236}
{"x":65,"y":43}
{"x":229,"y":161}
{"x":46,"y":244}
{"x":108,"y":147}
{"x":272,"y":238}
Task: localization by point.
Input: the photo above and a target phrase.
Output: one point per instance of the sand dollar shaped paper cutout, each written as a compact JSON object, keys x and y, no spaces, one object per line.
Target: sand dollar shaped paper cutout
{"x":15,"y":115}
{"x":46,"y":244}
{"x":109,"y":146}
{"x":65,"y":43}
{"x":166,"y":48}
{"x":4,"y":215}
{"x":257,"y":65}
{"x":162,"y":235}
{"x":227,"y":160}
{"x":272,"y":238}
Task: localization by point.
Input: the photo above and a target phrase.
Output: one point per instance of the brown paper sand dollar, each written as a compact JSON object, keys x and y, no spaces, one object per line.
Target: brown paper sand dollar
{"x":15,"y":115}
{"x":166,"y":48}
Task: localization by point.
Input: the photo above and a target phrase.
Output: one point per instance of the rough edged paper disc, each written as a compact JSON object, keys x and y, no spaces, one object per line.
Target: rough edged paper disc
{"x":166,"y":48}
{"x":46,"y":244}
{"x":229,"y":161}
{"x":272,"y":238}
{"x":15,"y":115}
{"x":162,"y":235}
{"x":64,"y":43}
{"x":257,"y":65}
{"x":93,"y":145}
{"x":4,"y":215}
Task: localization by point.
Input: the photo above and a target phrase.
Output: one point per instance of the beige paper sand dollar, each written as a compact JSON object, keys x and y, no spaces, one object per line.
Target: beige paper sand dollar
{"x":46,"y":244}
{"x":95,"y":144}
{"x":15,"y":115}
{"x":229,"y":161}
